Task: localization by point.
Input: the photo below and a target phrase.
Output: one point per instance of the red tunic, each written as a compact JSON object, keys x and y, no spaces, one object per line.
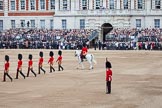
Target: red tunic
{"x":19,"y":64}
{"x":7,"y":64}
{"x":41,"y":61}
{"x":84,"y":50}
{"x":59,"y":58}
{"x":108,"y":75}
{"x":51,"y":59}
{"x":30,"y":63}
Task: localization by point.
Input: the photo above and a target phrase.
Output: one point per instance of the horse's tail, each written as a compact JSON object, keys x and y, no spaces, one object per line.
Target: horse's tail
{"x":93,"y":60}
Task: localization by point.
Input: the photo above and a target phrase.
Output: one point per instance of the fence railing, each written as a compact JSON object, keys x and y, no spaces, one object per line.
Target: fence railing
{"x":93,"y":35}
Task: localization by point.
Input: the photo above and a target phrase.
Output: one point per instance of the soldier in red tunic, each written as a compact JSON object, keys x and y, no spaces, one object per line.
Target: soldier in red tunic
{"x":40,"y":64}
{"x":19,"y":66}
{"x":50,"y":61}
{"x":30,"y":66}
{"x":6,"y":70}
{"x":108,"y":77}
{"x":84,"y":51}
{"x":59,"y":60}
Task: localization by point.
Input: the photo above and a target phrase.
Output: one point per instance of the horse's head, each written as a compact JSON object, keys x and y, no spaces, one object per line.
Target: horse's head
{"x":77,"y":53}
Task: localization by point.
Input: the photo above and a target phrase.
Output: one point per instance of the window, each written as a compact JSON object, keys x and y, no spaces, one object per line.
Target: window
{"x":32,"y":4}
{"x":98,"y":4}
{"x":64,"y":4}
{"x":1,"y":25}
{"x":63,"y":24}
{"x":111,"y":4}
{"x":84,"y":4}
{"x":42,"y":24}
{"x":157,"y":4}
{"x":52,"y":4}
{"x":42,"y":4}
{"x":32,"y":23}
{"x":13,"y":25}
{"x":1,"y":5}
{"x":125,"y":4}
{"x":22,"y":4}
{"x":13,"y":5}
{"x":51,"y":24}
{"x":140,"y":4}
{"x":157,"y":23}
{"x":82,"y":23}
{"x":138,"y":23}
{"x":22,"y":23}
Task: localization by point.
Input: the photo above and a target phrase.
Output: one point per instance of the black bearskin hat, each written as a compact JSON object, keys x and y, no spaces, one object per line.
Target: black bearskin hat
{"x":30,"y":57}
{"x":108,"y":64}
{"x":20,"y":56}
{"x":59,"y":52}
{"x":51,"y":53}
{"x":7,"y":58}
{"x":41,"y":54}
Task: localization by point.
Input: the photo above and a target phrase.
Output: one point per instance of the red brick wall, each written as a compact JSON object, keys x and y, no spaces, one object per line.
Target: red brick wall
{"x":46,"y":4}
{"x":37,"y":2}
{"x":1,"y":14}
{"x":17,"y":5}
{"x":31,"y":14}
{"x":27,"y":5}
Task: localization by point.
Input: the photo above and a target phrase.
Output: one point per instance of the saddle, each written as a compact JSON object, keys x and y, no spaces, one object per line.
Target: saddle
{"x":83,"y":57}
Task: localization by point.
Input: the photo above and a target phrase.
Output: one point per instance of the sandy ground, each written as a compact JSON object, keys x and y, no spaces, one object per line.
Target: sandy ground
{"x":137,"y":81}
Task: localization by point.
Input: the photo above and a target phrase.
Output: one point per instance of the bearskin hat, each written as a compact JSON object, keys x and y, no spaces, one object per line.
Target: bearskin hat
{"x":20,"y":56}
{"x":7,"y":58}
{"x":51,"y":53}
{"x":108,"y":64}
{"x":30,"y":57}
{"x":59,"y":52}
{"x":41,"y":54}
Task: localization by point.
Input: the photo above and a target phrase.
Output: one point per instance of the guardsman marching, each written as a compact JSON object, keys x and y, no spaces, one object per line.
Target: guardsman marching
{"x":19,"y":66}
{"x":40,"y":64}
{"x":108,"y":77}
{"x":30,"y":66}
{"x":84,"y":51}
{"x":6,"y":70}
{"x":59,"y":60}
{"x":50,"y":61}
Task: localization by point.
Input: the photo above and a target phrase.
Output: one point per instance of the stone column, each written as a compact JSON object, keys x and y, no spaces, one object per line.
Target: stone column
{"x":117,"y":4}
{"x":6,"y":7}
{"x":90,"y":4}
{"x":57,"y":5}
{"x":132,"y":4}
{"x":104,"y":3}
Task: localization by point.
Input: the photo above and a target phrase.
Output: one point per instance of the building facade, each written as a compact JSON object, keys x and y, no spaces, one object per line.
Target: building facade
{"x":80,"y":14}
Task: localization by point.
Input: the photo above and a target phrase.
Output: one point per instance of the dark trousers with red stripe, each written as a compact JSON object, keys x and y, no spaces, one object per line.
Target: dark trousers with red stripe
{"x":30,"y":69}
{"x":60,"y":67}
{"x":51,"y":68}
{"x":4,"y":76}
{"x":108,"y":87}
{"x":40,"y":68}
{"x":17,"y":74}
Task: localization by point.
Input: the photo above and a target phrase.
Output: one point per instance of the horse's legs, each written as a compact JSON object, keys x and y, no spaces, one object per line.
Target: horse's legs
{"x":90,"y":62}
{"x":80,"y":63}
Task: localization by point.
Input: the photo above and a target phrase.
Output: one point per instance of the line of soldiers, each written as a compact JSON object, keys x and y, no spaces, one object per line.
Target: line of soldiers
{"x":30,"y":65}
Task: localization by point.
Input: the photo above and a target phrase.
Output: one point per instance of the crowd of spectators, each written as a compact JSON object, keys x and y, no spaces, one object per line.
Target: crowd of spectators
{"x":43,"y":38}
{"x":142,"y":39}
{"x":117,"y":39}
